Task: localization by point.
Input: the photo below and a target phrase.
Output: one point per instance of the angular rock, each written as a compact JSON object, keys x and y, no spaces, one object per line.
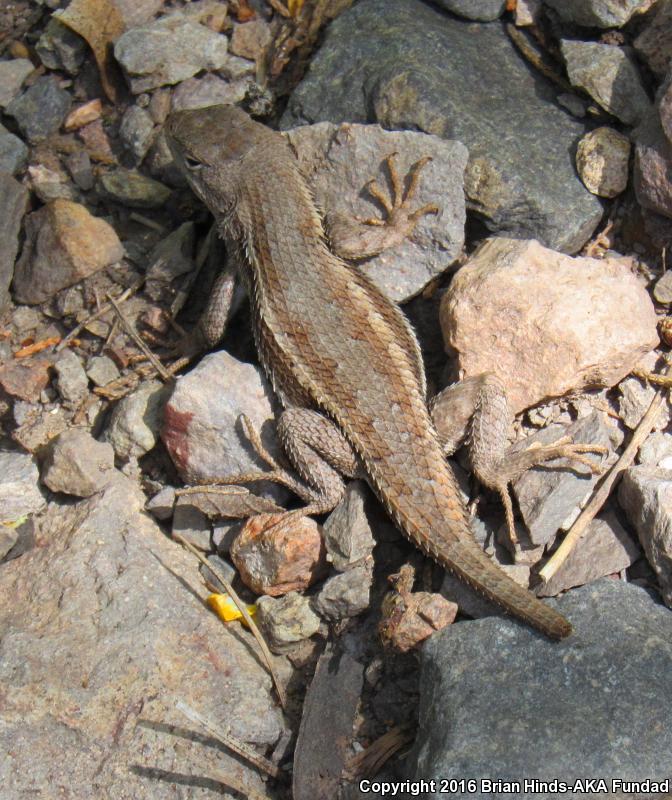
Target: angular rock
{"x":13,"y":152}
{"x":201,"y":427}
{"x":25,"y":380}
{"x":192,"y":524}
{"x":656,"y":450}
{"x":102,"y":370}
{"x":551,"y":498}
{"x":168,"y":51}
{"x":251,"y":39}
{"x":345,"y":595}
{"x":79,"y":167}
{"x":634,"y":401}
{"x":652,"y":173}
{"x":406,"y":65}
{"x":50,"y":184}
{"x":646,"y":495}
{"x":209,"y":90}
{"x":340,"y":160}
{"x":654,"y":43}
{"x":12,"y":75}
{"x":665,"y":106}
{"x":64,"y":243}
{"x":605,"y":548}
{"x":8,"y":538}
{"x":284,"y":621}
{"x":478,"y":10}
{"x":71,"y":380}
{"x":162,"y":504}
{"x":602,"y":159}
{"x":597,"y":13}
{"x":77,"y":464}
{"x":61,"y":48}
{"x":133,"y":428}
{"x":276,"y":557}
{"x":137,"y":132}
{"x":621,"y":648}
{"x":19,"y":490}
{"x":410,"y":620}
{"x":102,"y":635}
{"x":609,"y":76}
{"x":553,"y":335}
{"x":347,"y":534}
{"x":83,"y":115}
{"x":13,"y":202}
{"x":132,"y":188}
{"x":40,"y":110}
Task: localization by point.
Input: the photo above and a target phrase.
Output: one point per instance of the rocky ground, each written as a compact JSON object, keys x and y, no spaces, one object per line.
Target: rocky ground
{"x":125,"y":670}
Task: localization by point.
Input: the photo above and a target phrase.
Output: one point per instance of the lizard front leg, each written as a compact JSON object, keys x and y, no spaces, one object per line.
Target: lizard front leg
{"x":475,"y":412}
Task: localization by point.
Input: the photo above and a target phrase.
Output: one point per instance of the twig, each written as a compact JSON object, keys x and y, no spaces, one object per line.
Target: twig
{"x":238,"y":747}
{"x":243,"y":610}
{"x":130,"y":330}
{"x":370,"y":760}
{"x":604,"y":489}
{"x":100,"y":312}
{"x":148,"y":223}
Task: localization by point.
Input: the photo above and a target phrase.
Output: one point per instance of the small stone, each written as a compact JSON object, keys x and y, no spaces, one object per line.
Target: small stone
{"x":80,"y":169}
{"x":96,"y":142}
{"x":12,"y":75}
{"x":13,"y":152}
{"x":132,"y":188}
{"x":77,"y":464}
{"x":137,"y":132}
{"x":19,"y":490}
{"x":71,"y":381}
{"x":133,"y":428}
{"x":411,"y":618}
{"x":275,"y":555}
{"x":50,"y":184}
{"x":286,"y":620}
{"x":162,"y":504}
{"x":609,"y":76}
{"x":102,"y":370}
{"x":61,"y":48}
{"x":652,"y":174}
{"x":39,"y":425}
{"x":192,"y":524}
{"x":251,"y":39}
{"x":635,"y":398}
{"x":662,"y":291}
{"x":602,"y":161}
{"x":478,"y":10}
{"x":159,"y":105}
{"x":226,"y":570}
{"x":8,"y":538}
{"x":24,"y":379}
{"x":13,"y":202}
{"x":665,"y":106}
{"x":527,"y":12}
{"x":656,"y":449}
{"x":40,"y":110}
{"x":83,"y":115}
{"x":168,"y":51}
{"x":347,"y":533}
{"x":598,"y":13}
{"x":209,"y":90}
{"x":64,"y":243}
{"x":574,"y":104}
{"x":654,"y":43}
{"x":345,"y":595}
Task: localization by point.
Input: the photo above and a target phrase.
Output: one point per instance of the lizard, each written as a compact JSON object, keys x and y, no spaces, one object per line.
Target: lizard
{"x":342,"y":358}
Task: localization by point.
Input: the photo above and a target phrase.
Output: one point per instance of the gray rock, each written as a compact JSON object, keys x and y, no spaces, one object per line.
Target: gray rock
{"x":161,"y":505}
{"x":71,"y":382}
{"x":132,"y":188}
{"x":646,"y":495}
{"x":405,"y":65}
{"x":652,"y":173}
{"x":77,"y":464}
{"x":20,"y":494}
{"x":12,"y":75}
{"x":656,"y":451}
{"x":168,"y":51}
{"x":137,"y":132}
{"x":41,"y":109}
{"x":102,"y":621}
{"x":634,"y":401}
{"x":13,"y":202}
{"x":168,"y":261}
{"x":201,"y":428}
{"x":654,"y":43}
{"x":61,"y":48}
{"x":8,"y":538}
{"x":479,"y":10}
{"x":609,"y":76}
{"x":191,"y":523}
{"x":605,"y":548}
{"x":286,"y":620}
{"x":223,"y":567}
{"x":79,"y":167}
{"x":209,"y":90}
{"x":346,"y":594}
{"x":535,"y":709}
{"x":341,"y":159}
{"x":13,"y":152}
{"x":102,"y":370}
{"x":551,"y":498}
{"x":662,"y":291}
{"x":133,"y":429}
{"x":347,"y":533}
{"x":596,"y":13}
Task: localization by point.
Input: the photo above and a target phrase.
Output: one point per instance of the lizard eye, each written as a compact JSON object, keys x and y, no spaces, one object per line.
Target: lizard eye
{"x":192,"y":163}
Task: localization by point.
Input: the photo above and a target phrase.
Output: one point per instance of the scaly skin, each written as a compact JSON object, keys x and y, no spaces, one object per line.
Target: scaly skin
{"x":330,"y":341}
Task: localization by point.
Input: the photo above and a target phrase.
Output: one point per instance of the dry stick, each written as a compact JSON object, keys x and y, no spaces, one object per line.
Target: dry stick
{"x":100,"y":312}
{"x":238,"y":747}
{"x":130,"y":330}
{"x":604,"y":489}
{"x":243,"y":610}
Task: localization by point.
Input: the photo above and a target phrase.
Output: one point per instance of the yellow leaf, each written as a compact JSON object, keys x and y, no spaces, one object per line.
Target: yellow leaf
{"x":226,"y":609}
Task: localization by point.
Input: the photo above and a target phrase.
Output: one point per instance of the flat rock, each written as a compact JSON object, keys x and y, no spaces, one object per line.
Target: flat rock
{"x":645,"y":493}
{"x":13,"y":152}
{"x":347,"y":533}
{"x":547,"y":324}
{"x":654,"y":43}
{"x":339,"y":160}
{"x":652,"y":172}
{"x":500,"y":702}
{"x":345,"y":595}
{"x":609,"y":76}
{"x":100,"y":641}
{"x":209,"y":90}
{"x":12,"y":75}
{"x":132,"y":188}
{"x":19,"y":490}
{"x":168,"y":51}
{"x":77,"y":464}
{"x":13,"y":202}
{"x":406,"y":65}
{"x":41,"y":109}
{"x":201,"y":427}
{"x":64,"y":243}
{"x":597,"y":13}
{"x":71,"y":380}
{"x":134,"y":426}
{"x":478,"y":10}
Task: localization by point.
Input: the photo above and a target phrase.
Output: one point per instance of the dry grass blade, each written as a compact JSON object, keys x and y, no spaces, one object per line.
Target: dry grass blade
{"x":238,"y":747}
{"x":245,"y":613}
{"x":370,"y":760}
{"x":130,"y":330}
